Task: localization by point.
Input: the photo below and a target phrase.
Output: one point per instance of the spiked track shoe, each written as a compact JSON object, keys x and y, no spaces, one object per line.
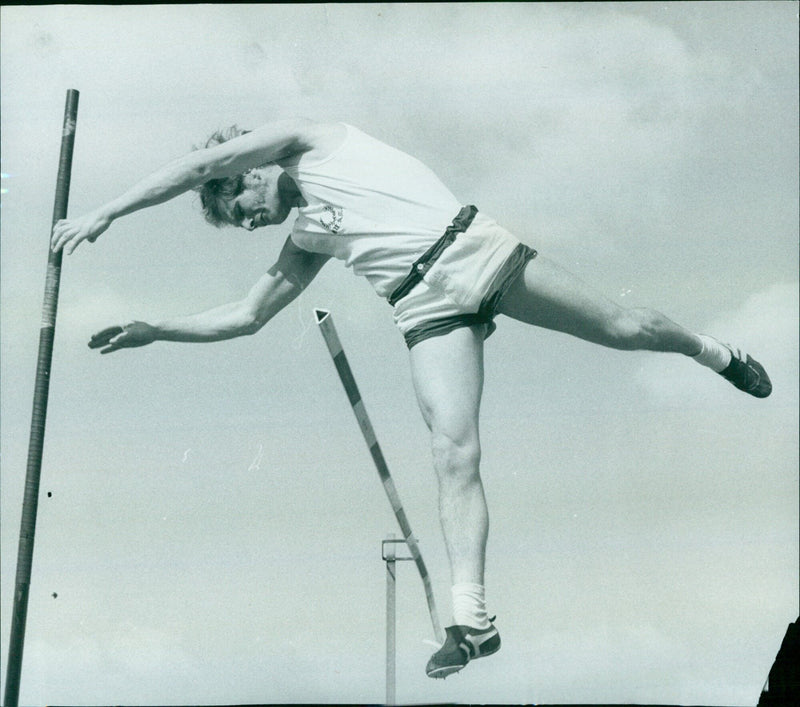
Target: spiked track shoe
{"x":462,"y":644}
{"x":747,"y":374}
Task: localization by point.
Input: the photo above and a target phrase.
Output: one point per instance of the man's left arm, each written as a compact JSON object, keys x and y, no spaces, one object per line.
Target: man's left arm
{"x":270,"y":143}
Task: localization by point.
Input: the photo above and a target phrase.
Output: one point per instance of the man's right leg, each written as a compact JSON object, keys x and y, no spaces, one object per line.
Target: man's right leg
{"x":448,"y":377}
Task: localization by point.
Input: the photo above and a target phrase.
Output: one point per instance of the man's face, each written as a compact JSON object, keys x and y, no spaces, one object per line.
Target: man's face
{"x":262,"y":202}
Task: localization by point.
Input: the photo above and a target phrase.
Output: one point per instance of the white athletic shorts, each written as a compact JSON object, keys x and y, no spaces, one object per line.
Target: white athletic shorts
{"x":460,"y":280}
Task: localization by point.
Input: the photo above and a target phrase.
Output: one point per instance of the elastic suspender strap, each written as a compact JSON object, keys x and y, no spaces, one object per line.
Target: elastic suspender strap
{"x":425,"y":262}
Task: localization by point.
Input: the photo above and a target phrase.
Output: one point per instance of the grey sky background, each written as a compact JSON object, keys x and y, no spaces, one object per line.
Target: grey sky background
{"x":214,"y":529}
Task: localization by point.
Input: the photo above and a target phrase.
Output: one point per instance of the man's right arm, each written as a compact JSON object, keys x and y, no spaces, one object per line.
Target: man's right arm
{"x":273,"y":142}
{"x":283,"y":282}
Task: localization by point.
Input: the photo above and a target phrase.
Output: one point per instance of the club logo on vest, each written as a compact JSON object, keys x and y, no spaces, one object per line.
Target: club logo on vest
{"x":331,"y":218}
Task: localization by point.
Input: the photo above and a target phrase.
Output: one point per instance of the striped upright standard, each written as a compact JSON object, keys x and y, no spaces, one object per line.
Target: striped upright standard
{"x":348,"y":381}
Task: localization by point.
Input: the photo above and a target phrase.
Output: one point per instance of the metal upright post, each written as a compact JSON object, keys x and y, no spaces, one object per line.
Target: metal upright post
{"x":391,"y":558}
{"x":391,"y":620}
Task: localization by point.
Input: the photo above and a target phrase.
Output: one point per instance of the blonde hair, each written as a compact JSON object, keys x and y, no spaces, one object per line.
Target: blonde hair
{"x":216,"y":193}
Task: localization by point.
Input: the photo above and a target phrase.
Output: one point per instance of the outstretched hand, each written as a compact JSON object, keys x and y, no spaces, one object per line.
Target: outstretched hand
{"x":68,"y":233}
{"x":126,"y":336}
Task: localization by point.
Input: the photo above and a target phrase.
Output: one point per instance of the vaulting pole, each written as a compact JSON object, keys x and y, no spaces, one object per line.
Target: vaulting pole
{"x":348,"y":381}
{"x":30,"y":501}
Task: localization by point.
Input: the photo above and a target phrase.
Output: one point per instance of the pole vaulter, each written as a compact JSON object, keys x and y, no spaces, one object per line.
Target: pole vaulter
{"x":328,"y":330}
{"x":30,"y":501}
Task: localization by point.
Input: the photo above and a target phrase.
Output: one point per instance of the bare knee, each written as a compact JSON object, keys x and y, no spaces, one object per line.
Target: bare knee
{"x":456,"y":460}
{"x":636,"y":328}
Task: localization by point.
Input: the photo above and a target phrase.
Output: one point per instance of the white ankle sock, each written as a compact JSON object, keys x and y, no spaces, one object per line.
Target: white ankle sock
{"x":714,"y":355}
{"x":469,"y":605}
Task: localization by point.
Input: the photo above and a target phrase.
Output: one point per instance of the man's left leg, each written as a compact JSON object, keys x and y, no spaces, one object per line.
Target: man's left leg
{"x":448,"y":378}
{"x":549,"y":296}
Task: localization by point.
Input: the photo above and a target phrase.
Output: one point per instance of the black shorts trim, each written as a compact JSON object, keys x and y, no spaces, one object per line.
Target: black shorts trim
{"x":440,"y":327}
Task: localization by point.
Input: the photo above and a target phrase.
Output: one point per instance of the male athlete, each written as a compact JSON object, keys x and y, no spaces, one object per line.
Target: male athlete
{"x":446,"y":269}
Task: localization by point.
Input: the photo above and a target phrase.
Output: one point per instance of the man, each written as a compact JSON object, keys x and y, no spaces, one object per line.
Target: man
{"x":447,"y":270}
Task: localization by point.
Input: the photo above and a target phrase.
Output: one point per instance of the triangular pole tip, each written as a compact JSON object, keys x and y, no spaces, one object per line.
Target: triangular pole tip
{"x":321,"y":314}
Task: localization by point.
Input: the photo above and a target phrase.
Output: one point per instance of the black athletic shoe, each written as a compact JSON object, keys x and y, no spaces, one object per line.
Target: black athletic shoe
{"x":747,"y":374}
{"x":463,"y":643}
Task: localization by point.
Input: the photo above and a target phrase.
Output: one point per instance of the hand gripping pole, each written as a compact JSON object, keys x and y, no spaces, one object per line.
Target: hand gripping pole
{"x":348,"y":381}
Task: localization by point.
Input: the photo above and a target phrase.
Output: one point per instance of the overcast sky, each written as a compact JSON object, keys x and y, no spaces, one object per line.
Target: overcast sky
{"x":214,"y":525}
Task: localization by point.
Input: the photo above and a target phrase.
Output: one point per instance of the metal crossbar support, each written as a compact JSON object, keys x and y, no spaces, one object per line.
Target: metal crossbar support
{"x":30,"y":501}
{"x":389,"y":556}
{"x":348,"y":381}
